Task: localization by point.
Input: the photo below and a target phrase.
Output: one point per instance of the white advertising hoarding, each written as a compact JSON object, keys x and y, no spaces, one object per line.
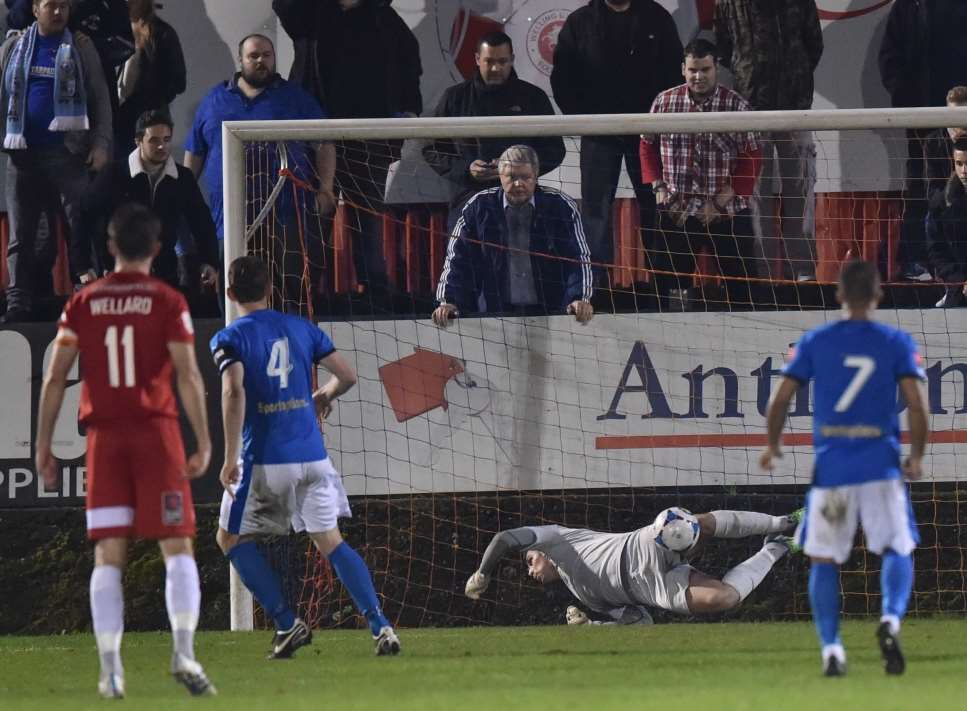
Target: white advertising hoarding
{"x":628,"y":400}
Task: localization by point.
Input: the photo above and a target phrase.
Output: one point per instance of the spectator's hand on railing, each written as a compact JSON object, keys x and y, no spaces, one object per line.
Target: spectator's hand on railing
{"x":326,"y":200}
{"x":443,"y":314}
{"x":97,"y":158}
{"x":582,"y":310}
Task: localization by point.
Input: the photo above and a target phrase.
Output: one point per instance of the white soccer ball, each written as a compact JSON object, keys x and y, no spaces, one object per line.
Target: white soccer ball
{"x":677,"y":529}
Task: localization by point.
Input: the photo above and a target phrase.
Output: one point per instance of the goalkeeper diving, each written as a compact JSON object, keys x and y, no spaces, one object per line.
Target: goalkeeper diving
{"x":620,"y":575}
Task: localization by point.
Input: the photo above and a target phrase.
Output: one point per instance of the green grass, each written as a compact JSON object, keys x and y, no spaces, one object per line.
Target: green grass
{"x":714,"y":666}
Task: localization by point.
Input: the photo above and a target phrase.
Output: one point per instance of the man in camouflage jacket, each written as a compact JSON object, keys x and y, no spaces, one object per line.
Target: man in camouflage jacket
{"x":772,"y":48}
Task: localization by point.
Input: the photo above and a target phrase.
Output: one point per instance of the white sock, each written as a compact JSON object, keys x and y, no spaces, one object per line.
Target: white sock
{"x":107,"y":614}
{"x":894,"y":623}
{"x":741,"y":524}
{"x":747,"y":575}
{"x":834,"y":650}
{"x":183,"y":598}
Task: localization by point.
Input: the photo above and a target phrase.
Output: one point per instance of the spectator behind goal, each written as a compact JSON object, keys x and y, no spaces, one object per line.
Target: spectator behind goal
{"x":702,"y":186}
{"x":257,"y":92}
{"x":470,"y":164}
{"x":55,"y":130}
{"x":518,"y":248}
{"x":754,"y":38}
{"x":152,"y":77}
{"x":149,"y":176}
{"x":947,"y":231}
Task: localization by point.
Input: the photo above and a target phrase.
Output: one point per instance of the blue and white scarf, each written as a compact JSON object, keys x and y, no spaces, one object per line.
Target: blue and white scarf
{"x":70,"y":98}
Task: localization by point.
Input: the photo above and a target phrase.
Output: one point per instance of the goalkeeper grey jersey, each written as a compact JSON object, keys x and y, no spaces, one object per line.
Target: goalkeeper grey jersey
{"x":608,"y":570}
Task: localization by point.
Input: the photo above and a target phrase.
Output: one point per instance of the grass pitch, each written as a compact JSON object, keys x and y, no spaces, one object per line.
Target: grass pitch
{"x":720,"y":666}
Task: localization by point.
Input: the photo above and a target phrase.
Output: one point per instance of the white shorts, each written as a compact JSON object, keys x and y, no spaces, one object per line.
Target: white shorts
{"x":308,"y":496}
{"x":671,"y":587}
{"x":882,"y":507}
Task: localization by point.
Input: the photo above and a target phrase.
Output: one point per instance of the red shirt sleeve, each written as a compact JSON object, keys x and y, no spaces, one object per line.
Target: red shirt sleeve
{"x":178,"y":325}
{"x":650,"y":157}
{"x":746,"y":172}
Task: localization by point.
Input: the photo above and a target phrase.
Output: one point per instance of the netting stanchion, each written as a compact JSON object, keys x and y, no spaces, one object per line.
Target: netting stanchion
{"x":509,"y":419}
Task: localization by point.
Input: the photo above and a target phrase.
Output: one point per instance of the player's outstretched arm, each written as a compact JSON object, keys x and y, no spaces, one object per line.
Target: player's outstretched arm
{"x":513,"y":540}
{"x":233,"y":418}
{"x":916,"y":400}
{"x":191,"y":390}
{"x":51,"y":398}
{"x":342,"y":380}
{"x":775,"y":419}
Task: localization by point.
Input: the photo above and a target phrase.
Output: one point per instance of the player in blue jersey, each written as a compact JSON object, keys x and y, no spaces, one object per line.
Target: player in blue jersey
{"x":856,"y":365}
{"x":277,"y":473}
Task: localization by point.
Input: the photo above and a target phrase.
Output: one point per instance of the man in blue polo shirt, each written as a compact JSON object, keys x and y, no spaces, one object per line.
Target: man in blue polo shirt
{"x":257,"y":92}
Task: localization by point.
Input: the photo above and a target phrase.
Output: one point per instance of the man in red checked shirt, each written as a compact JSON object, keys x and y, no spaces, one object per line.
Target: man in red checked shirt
{"x":133,"y":330}
{"x":702,"y":183}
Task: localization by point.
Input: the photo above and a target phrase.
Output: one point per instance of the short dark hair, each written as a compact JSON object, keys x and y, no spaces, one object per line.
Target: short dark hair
{"x":246,"y":38}
{"x":959,"y":145}
{"x":699,"y":48}
{"x":135,"y":230}
{"x":859,"y":282}
{"x":495,"y":39}
{"x":155,"y":117}
{"x":248,"y":278}
{"x":140,"y":10}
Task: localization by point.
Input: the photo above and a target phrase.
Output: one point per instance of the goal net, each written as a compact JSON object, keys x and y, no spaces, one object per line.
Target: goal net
{"x":520,"y":415}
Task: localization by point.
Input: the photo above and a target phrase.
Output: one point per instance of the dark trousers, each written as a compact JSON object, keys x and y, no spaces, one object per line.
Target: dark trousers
{"x":913,"y":238}
{"x":601,"y":158}
{"x":361,"y":170}
{"x":730,"y":241}
{"x":40,"y":181}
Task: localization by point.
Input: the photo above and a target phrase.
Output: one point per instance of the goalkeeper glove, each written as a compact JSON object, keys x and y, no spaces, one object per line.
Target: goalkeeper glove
{"x":575,"y":616}
{"x":476,"y":584}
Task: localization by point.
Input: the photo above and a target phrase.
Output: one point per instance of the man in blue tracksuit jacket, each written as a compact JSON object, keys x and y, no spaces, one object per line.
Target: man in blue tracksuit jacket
{"x":517,"y":249}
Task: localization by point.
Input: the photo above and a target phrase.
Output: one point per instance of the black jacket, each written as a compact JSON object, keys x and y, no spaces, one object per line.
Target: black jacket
{"x":361,"y":63}
{"x":177,"y":202}
{"x":162,"y":77}
{"x":594,"y":75}
{"x":947,"y":234}
{"x":452,"y":158}
{"x":907,"y":69}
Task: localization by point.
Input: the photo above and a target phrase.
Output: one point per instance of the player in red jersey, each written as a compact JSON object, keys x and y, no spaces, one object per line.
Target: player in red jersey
{"x":133,"y":331}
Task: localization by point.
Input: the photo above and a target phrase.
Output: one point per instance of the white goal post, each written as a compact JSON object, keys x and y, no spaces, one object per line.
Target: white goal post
{"x":235,"y":134}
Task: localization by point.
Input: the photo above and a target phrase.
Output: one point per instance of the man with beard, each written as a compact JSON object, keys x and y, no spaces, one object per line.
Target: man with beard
{"x":257,"y":92}
{"x":494,"y":90}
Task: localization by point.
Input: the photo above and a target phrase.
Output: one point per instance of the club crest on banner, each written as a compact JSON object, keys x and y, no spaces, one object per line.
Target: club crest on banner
{"x":542,"y":39}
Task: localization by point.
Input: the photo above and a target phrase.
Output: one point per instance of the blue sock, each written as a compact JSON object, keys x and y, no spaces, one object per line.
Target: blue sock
{"x":824,"y":600}
{"x":896,"y":582}
{"x":262,"y":580}
{"x":354,"y":574}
